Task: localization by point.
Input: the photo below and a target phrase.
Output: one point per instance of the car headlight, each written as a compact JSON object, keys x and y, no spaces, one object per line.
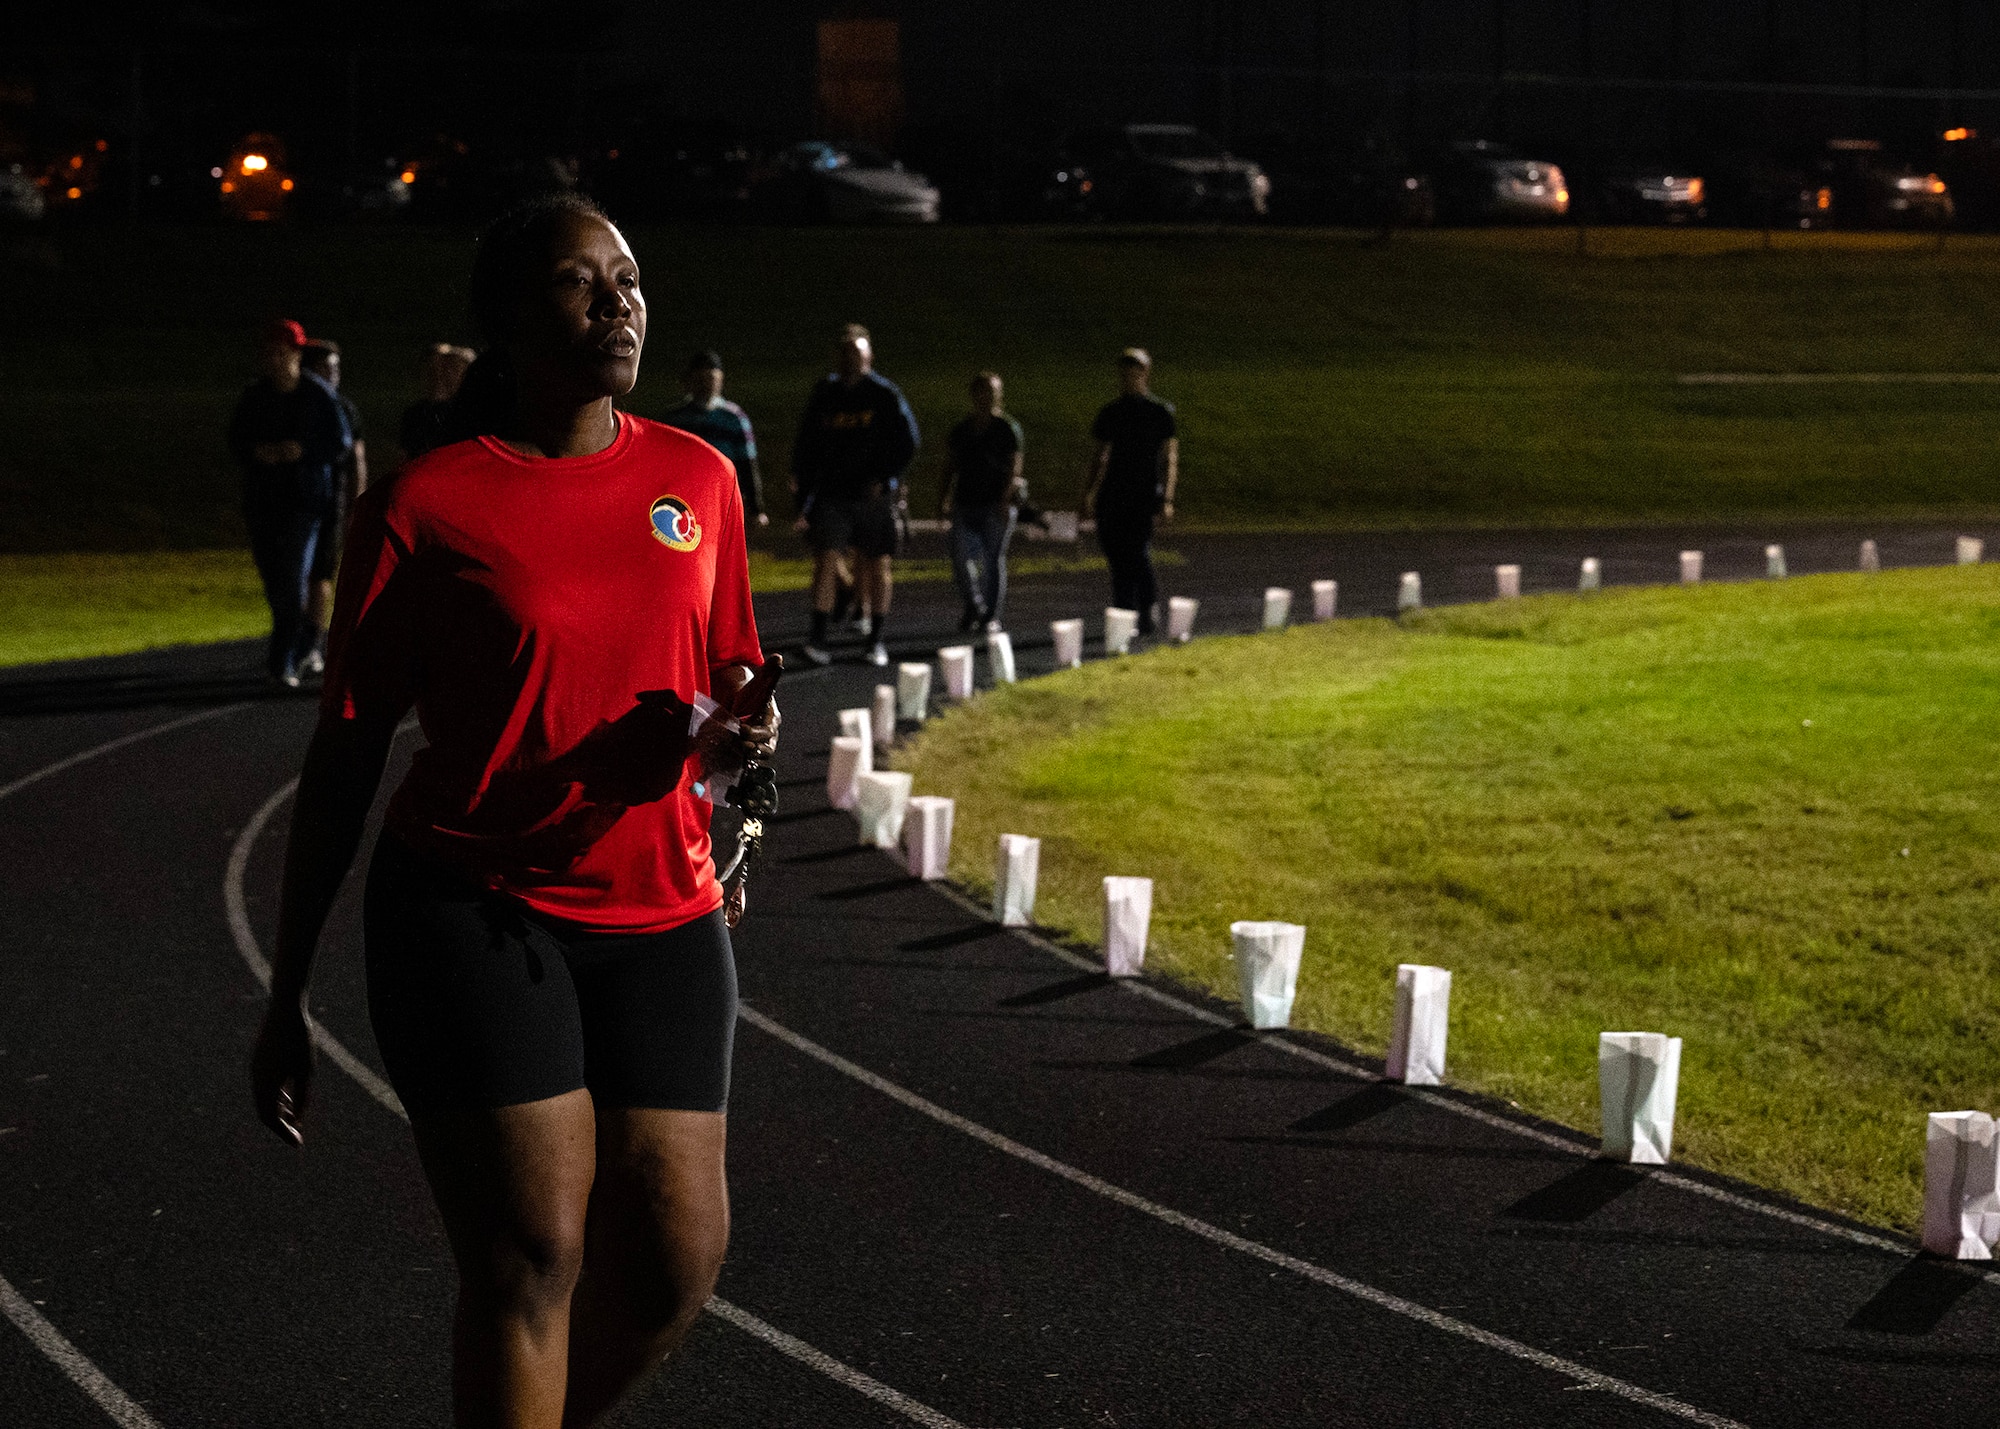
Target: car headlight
{"x":1910,"y":183}
{"x":1260,"y":184}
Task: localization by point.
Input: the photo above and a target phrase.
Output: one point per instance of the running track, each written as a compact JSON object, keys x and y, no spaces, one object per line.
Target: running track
{"x":974,"y":1184}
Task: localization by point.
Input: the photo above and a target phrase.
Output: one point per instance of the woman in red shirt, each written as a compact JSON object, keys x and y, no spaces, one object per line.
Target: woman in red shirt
{"x":549,"y":970}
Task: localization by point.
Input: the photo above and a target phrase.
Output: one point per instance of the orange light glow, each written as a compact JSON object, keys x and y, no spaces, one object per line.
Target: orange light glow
{"x":1696,"y":189}
{"x":76,"y":161}
{"x":102,"y":145}
{"x":611,"y":154}
{"x":255,"y":163}
{"x":1824,"y":198}
{"x":1084,"y":187}
{"x":76,"y":193}
{"x":408,"y":176}
{"x":285,"y":184}
{"x":1954,"y":136}
{"x":1562,"y":195}
{"x":228,"y":187}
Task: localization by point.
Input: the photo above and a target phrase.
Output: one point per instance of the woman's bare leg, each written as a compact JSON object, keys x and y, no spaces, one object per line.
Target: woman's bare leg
{"x":513,"y":1184}
{"x":659,"y":1224}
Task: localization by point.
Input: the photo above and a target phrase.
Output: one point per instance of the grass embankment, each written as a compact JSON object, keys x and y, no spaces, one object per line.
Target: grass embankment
{"x":66,"y":607}
{"x":1323,"y":378}
{"x":1765,"y":818}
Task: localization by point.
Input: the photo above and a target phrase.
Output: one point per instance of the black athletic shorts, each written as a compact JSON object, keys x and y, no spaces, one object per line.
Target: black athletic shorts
{"x":476,"y":1003}
{"x":866,"y":523}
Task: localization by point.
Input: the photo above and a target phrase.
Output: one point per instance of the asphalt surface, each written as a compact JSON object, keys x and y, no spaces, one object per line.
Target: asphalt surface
{"x":962,"y":1166}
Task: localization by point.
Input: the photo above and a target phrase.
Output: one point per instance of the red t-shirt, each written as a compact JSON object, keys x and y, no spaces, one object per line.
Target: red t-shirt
{"x":522,"y":605}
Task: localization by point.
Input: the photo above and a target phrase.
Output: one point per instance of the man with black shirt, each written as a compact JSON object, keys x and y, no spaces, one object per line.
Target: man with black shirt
{"x":287,"y":434}
{"x":724,"y":426}
{"x":1131,"y":482}
{"x":426,"y":423}
{"x":350,"y":479}
{"x":982,"y":485}
{"x":856,"y":440}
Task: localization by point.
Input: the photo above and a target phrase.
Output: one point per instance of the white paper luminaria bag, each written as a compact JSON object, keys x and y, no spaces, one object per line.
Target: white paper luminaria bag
{"x":1417,"y":1031}
{"x":913,"y":691}
{"x":845,"y":765}
{"x":860,"y":724}
{"x":1181,"y":611}
{"x":1774,"y":562}
{"x":1638,"y":1080}
{"x":882,"y":716}
{"x":1068,"y":638}
{"x":1119,"y":628}
{"x":956,"y":662}
{"x":1128,"y":911}
{"x":1277,"y":607}
{"x":1690,"y":567}
{"x":1267,"y":969}
{"x":1015,"y":866}
{"x":927,"y":836}
{"x":880,"y":799}
{"x":1590,"y":575}
{"x":1000,"y":656}
{"x":1961,"y":1200}
{"x":1971,"y":550}
{"x":1326,"y":594}
{"x":1410,"y":592}
{"x":1506,"y":582}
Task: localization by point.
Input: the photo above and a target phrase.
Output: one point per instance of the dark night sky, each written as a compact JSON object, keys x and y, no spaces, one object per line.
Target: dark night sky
{"x":575,"y":70}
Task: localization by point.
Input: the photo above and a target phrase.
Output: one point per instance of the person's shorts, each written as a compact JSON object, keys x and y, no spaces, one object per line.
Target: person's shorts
{"x":868,"y":524}
{"x":476,"y":1003}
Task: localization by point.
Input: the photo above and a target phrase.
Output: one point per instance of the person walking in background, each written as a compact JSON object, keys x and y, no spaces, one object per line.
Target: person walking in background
{"x":857,"y":438}
{"x":724,"y":426}
{"x":350,"y":479}
{"x":287,"y":434}
{"x":426,"y":422}
{"x":1131,"y":483}
{"x":982,"y":487}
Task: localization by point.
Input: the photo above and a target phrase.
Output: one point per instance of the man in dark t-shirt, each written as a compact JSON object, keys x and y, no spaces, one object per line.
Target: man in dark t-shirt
{"x":350,"y":479}
{"x":287,"y":434}
{"x":1131,"y":483}
{"x":982,"y":487}
{"x":723,"y":425}
{"x":857,"y":438}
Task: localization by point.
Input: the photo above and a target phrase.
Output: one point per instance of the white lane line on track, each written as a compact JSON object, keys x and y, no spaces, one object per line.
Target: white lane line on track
{"x":1573,"y":1145}
{"x":253,"y":956}
{"x":1360,"y":1290}
{"x":832,"y":1368}
{"x":115,"y":1402}
{"x":119,"y":743}
{"x":246,"y":944}
{"x":122,"y":1409}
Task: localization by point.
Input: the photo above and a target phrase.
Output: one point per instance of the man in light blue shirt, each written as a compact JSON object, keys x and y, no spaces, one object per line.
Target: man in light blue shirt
{"x":723,"y":425}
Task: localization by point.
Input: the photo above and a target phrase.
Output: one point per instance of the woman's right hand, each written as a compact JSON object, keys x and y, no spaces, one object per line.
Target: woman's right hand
{"x":281,"y":1070}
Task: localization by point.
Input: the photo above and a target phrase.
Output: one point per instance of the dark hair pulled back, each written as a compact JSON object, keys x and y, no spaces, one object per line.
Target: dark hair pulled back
{"x":510,"y":254}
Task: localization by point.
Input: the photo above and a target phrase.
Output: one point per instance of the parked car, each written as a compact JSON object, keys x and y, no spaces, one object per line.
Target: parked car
{"x":1755,"y":191}
{"x":1651,"y":194}
{"x":819,"y":181}
{"x":255,"y":185}
{"x":1160,"y":171}
{"x":1371,"y":184}
{"x":1479,"y":181}
{"x":21,"y":199}
{"x":985,"y":178}
{"x":1970,"y":165}
{"x":677,"y":171}
{"x":1875,"y":189}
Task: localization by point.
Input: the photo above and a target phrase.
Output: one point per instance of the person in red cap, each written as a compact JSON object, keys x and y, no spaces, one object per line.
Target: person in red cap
{"x":287,"y":435}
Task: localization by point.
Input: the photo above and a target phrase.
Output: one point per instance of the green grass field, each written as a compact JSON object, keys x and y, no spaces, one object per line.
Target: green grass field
{"x":68,"y":606}
{"x":1762,"y":817}
{"x":1323,"y":378}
